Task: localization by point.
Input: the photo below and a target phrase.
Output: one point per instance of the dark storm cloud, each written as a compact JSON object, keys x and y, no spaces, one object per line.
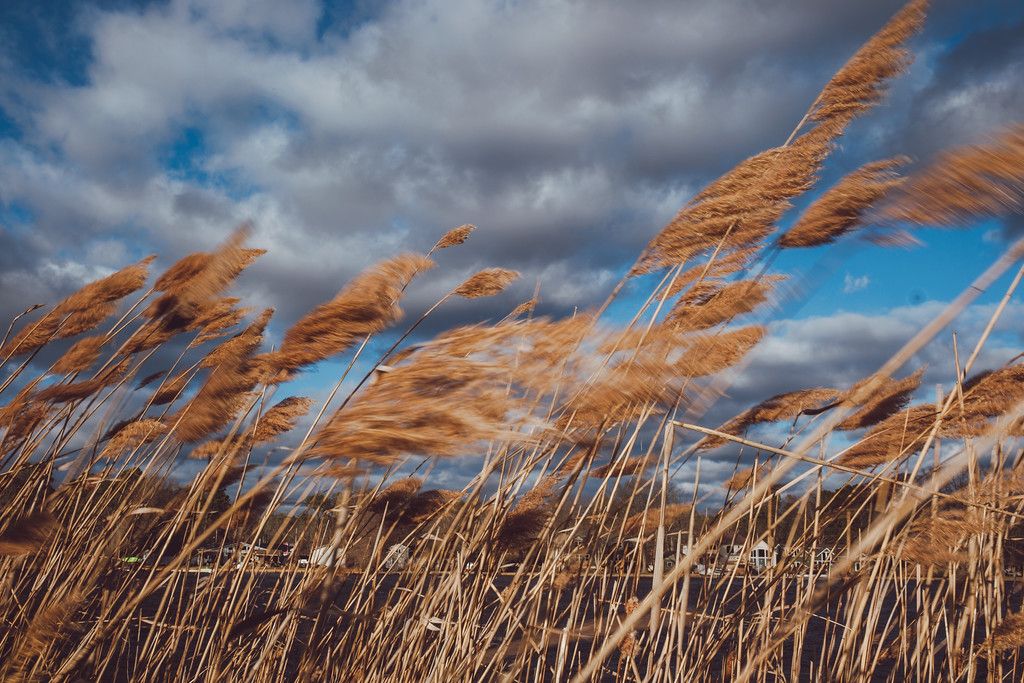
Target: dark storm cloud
{"x":976,"y":87}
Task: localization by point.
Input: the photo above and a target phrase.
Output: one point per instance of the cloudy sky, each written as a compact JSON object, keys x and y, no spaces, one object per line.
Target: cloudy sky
{"x":568,"y":131}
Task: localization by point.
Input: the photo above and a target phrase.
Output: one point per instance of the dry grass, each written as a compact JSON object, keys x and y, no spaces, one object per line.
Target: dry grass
{"x":573,"y":553}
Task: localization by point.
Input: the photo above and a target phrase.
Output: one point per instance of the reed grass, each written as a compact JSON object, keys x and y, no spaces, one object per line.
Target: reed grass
{"x":572,"y":553}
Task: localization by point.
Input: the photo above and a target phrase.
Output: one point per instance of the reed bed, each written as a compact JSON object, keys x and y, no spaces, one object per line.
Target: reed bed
{"x":571,"y":555}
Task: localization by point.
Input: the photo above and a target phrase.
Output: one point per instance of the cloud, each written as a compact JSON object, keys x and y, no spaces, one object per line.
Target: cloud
{"x":853,"y":284}
{"x":569,"y":132}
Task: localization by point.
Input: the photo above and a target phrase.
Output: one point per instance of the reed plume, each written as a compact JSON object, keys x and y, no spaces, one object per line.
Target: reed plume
{"x":433,"y":403}
{"x":647,"y":520}
{"x":487,"y":282}
{"x":81,"y":311}
{"x":938,"y":539}
{"x":171,"y":389}
{"x":76,"y":391}
{"x":624,"y":467}
{"x":454,"y":237}
{"x":739,"y":209}
{"x":841,"y":208}
{"x":226,"y":389}
{"x":133,"y":435}
{"x":192,"y":285}
{"x":786,"y":406}
{"x":1009,"y":634}
{"x":527,"y":518}
{"x":964,"y":185}
{"x":395,"y":496}
{"x":425,"y":504}
{"x":715,"y":303}
{"x":710,"y":354}
{"x":281,"y":418}
{"x":29,"y":533}
{"x":368,"y":305}
{"x":861,"y":82}
{"x":80,"y":356}
{"x":890,"y":397}
{"x":217,"y":319}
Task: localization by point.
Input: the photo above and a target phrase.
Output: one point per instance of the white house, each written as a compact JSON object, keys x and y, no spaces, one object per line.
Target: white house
{"x":327,"y":556}
{"x":759,"y":557}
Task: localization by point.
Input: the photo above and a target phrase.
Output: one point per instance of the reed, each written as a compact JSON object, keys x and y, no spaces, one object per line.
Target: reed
{"x":875,"y":537}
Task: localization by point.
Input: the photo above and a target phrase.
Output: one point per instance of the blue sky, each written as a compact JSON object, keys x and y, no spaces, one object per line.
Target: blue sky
{"x":568,"y":132}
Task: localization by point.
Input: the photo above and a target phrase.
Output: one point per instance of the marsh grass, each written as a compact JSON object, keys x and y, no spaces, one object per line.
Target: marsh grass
{"x":570,"y":555}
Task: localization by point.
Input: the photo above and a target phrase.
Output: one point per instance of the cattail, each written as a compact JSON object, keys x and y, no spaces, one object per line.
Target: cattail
{"x":840,"y":209}
{"x":28,"y":534}
{"x":395,"y":496}
{"x":890,"y":397}
{"x":713,"y":353}
{"x":454,"y":237}
{"x":80,"y":356}
{"x":487,"y":282}
{"x":861,"y":82}
{"x":133,"y":435}
{"x":367,"y":305}
{"x":281,"y":418}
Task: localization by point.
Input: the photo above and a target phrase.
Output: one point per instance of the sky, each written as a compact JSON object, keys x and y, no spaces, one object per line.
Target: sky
{"x":569,"y":132}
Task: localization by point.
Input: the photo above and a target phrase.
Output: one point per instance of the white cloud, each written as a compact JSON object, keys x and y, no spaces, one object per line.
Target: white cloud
{"x":855,"y":284}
